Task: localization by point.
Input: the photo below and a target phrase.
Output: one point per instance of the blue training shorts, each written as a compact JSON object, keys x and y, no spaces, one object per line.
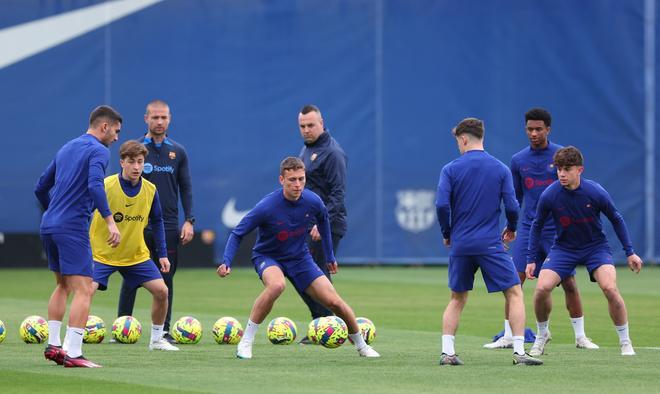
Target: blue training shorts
{"x":68,"y":254}
{"x":134,"y":275}
{"x":497,"y":269}
{"x":300,"y":272}
{"x":520,"y":248}
{"x":563,"y":262}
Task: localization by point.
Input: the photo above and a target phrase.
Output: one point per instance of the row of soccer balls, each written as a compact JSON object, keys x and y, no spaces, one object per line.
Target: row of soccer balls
{"x":330,"y":331}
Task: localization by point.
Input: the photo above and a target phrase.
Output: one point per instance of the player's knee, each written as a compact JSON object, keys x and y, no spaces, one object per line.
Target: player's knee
{"x":335,"y":303}
{"x":611,"y":291}
{"x":277,"y":288}
{"x":161,"y":293}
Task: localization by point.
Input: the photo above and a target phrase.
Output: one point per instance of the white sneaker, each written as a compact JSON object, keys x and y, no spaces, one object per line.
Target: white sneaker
{"x":585,"y":343}
{"x":501,"y":343}
{"x":538,"y":348}
{"x":627,"y":349}
{"x":162,"y":344}
{"x":368,"y":351}
{"x":244,"y":350}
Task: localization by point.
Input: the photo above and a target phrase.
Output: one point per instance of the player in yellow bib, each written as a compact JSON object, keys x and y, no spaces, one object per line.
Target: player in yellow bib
{"x":133,"y":202}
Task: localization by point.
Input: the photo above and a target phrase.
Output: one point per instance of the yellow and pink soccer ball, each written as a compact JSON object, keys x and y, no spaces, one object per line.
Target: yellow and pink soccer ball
{"x":126,"y":329}
{"x":312,"y":329}
{"x":34,"y":329}
{"x":367,"y":329}
{"x":187,"y":330}
{"x":227,"y":330}
{"x":94,"y":330}
{"x":331,"y":332}
{"x":3,"y":331}
{"x":281,"y":331}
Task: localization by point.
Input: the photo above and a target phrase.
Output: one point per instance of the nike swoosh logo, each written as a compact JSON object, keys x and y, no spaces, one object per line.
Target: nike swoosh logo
{"x":129,"y":205}
{"x":230,"y":216}
{"x":31,"y":38}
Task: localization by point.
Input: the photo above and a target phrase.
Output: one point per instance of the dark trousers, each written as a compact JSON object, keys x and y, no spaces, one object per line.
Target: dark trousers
{"x":127,"y":294}
{"x":316,"y":249}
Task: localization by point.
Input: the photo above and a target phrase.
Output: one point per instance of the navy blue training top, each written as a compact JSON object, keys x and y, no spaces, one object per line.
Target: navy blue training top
{"x":533,"y":171}
{"x":155,"y":214}
{"x":166,"y":166}
{"x":282,"y":228}
{"x":576,"y":214}
{"x":470,"y":192}
{"x":71,"y":187}
{"x":325,"y":173}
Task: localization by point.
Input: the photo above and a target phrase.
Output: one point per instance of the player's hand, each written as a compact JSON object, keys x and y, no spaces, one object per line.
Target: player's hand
{"x":115,"y":236}
{"x":635,"y":263}
{"x":508,"y":236}
{"x":529,"y":271}
{"x":223,"y":270}
{"x":164,"y":264}
{"x":333,"y":267}
{"x":187,"y":233}
{"x":314,"y":233}
{"x":447,"y":242}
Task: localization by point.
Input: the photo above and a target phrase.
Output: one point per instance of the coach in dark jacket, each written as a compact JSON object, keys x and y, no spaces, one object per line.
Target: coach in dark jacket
{"x":325,"y":170}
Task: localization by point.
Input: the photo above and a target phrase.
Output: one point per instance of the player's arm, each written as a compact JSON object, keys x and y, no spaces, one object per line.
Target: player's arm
{"x":323,"y":225}
{"x":249,"y":222}
{"x":443,"y":205}
{"x":543,"y":210}
{"x":97,"y":165}
{"x":511,"y":208}
{"x":158,"y":227}
{"x":185,"y":191}
{"x":517,"y":180}
{"x":620,"y":228}
{"x":45,"y":183}
{"x":335,"y":175}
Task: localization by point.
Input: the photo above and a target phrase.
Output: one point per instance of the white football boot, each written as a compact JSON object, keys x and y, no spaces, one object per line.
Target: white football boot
{"x":538,"y":348}
{"x":368,"y":351}
{"x":162,"y":344}
{"x":501,"y":343}
{"x":585,"y":343}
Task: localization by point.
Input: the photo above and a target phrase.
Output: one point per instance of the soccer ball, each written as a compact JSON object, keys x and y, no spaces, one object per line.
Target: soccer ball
{"x":34,"y":329}
{"x":367,"y":329}
{"x":312,"y":329}
{"x":187,"y":330}
{"x":331,"y":332}
{"x":3,"y":331}
{"x":94,"y":330}
{"x":281,"y":331}
{"x":227,"y":330}
{"x":126,"y":329}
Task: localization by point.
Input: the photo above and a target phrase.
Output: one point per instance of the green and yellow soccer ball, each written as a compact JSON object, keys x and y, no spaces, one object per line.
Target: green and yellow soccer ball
{"x":126,"y":329}
{"x":34,"y":329}
{"x":331,"y":332}
{"x":94,"y":330}
{"x":187,"y":330}
{"x":227,"y":330}
{"x":313,"y":328}
{"x":281,"y":331}
{"x":3,"y":331}
{"x":367,"y":329}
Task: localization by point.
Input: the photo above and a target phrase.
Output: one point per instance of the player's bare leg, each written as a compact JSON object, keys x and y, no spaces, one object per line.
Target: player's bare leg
{"x":83,"y":291}
{"x":450,"y":320}
{"x":322,"y":290}
{"x":274,"y":285}
{"x":506,"y":340}
{"x":574,"y":307}
{"x":159,"y":292}
{"x":547,"y":281}
{"x":605,"y":275}
{"x":56,"y":310}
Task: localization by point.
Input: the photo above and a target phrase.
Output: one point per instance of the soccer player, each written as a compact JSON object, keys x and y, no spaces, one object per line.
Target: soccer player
{"x":575,"y":204}
{"x":282,"y":219}
{"x":533,"y":172}
{"x":134,"y":202}
{"x":325,"y":173}
{"x":69,"y":190}
{"x":470,"y":192}
{"x":167,"y":168}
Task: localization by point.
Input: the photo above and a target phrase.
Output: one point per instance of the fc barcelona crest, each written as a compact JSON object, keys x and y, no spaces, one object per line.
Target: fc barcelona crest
{"x":172,"y":155}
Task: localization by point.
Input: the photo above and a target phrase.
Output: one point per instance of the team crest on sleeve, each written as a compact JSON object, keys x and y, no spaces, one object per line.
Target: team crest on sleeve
{"x":415,"y":210}
{"x":172,"y":155}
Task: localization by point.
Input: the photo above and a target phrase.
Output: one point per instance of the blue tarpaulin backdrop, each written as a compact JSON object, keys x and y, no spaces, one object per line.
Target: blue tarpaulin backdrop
{"x":392,"y":78}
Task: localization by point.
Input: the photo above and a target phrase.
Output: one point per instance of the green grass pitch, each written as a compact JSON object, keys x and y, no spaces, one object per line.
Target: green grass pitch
{"x":406,"y":304}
